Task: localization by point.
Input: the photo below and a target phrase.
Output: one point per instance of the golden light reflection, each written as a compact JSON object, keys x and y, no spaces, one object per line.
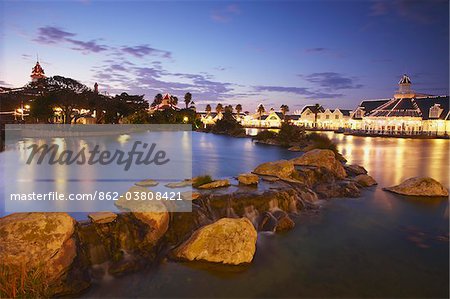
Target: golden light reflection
{"x":123,"y":138}
{"x":399,"y":160}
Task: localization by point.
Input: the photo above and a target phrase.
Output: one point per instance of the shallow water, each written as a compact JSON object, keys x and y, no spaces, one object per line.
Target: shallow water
{"x":379,"y":245}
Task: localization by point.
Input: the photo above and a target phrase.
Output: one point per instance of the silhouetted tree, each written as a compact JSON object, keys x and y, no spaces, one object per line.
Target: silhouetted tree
{"x":208,"y":109}
{"x":187,"y":99}
{"x":219,"y":108}
{"x":284,"y":109}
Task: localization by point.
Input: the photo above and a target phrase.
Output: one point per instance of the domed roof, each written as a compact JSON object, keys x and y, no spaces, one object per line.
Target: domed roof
{"x":405,"y":80}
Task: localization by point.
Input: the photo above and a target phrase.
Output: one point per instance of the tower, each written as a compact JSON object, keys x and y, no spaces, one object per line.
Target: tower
{"x":37,"y":72}
{"x":404,"y":88}
{"x":96,"y":87}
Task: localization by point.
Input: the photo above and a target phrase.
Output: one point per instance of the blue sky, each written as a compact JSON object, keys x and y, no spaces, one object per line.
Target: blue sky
{"x":292,"y":52}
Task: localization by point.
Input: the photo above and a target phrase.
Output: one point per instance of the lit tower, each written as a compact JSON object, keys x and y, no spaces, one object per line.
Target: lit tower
{"x":37,"y":72}
{"x":404,"y":88}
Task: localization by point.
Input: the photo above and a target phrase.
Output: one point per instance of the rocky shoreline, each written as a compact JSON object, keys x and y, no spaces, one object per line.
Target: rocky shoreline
{"x":222,"y":227}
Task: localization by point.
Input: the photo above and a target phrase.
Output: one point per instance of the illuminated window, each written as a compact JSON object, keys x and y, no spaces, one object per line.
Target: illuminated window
{"x":435,"y":111}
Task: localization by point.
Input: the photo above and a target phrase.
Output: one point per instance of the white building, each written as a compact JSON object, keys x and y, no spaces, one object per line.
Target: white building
{"x":407,"y":113}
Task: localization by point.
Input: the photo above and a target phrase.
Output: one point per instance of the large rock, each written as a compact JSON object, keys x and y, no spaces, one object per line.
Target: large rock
{"x":152,"y":213}
{"x":365,"y":180}
{"x":147,"y":183}
{"x":248,"y":179}
{"x":419,"y":186}
{"x":322,"y":158}
{"x":339,"y":189}
{"x":215,"y":184}
{"x":102,"y":217}
{"x":41,"y":242}
{"x":281,"y":168}
{"x":354,"y":170}
{"x":227,"y":241}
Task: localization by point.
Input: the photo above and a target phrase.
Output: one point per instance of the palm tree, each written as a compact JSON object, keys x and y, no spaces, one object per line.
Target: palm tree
{"x":260,"y":111}
{"x":284,"y":109}
{"x":173,"y":100}
{"x":219,"y":108}
{"x":238,"y":109}
{"x":157,"y":100}
{"x":316,"y":111}
{"x":187,"y":99}
{"x":208,"y":109}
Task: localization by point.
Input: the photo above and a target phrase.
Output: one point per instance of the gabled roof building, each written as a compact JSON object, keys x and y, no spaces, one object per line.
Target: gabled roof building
{"x":407,"y":112}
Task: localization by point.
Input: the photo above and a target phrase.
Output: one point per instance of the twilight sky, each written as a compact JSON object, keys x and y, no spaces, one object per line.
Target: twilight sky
{"x":295,"y":52}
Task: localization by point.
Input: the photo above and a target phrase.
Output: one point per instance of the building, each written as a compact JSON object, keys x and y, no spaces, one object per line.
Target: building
{"x":167,"y":102}
{"x":37,"y":72}
{"x":315,"y":116}
{"x":407,"y":113}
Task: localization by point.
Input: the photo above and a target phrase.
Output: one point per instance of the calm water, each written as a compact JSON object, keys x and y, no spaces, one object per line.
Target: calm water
{"x":380,"y":245}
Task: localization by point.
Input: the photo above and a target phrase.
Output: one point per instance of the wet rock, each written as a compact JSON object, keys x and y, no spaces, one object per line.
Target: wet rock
{"x":227,"y":241}
{"x":267,"y":222}
{"x":295,"y":148}
{"x":190,"y":195}
{"x":248,"y":179}
{"x":102,"y":217}
{"x":284,"y":222}
{"x":152,"y":213}
{"x":340,"y":189}
{"x":313,"y":175}
{"x":182,"y":184}
{"x":147,"y":183}
{"x":365,"y":180}
{"x":215,"y":184}
{"x":281,"y":168}
{"x":419,"y":186}
{"x":354,"y":170}
{"x":269,"y":178}
{"x":37,"y":240}
{"x":322,"y":158}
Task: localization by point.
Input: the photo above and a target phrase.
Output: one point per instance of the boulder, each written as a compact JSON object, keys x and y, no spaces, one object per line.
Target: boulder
{"x":190,"y":195}
{"x":284,"y":224}
{"x":215,"y":184}
{"x":281,"y":168}
{"x":267,"y":222}
{"x":147,"y":183}
{"x":181,"y":184}
{"x":419,"y":186}
{"x":354,"y":170}
{"x":248,"y":179}
{"x":365,"y":180}
{"x":152,"y":213}
{"x":228,"y":241}
{"x":41,"y":242}
{"x":295,"y":148}
{"x":102,"y":217}
{"x":339,"y":189}
{"x":322,"y":158}
{"x":269,"y":178}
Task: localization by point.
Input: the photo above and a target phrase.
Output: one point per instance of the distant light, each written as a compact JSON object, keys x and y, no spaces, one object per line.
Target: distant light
{"x":27,"y":106}
{"x":185,"y":119}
